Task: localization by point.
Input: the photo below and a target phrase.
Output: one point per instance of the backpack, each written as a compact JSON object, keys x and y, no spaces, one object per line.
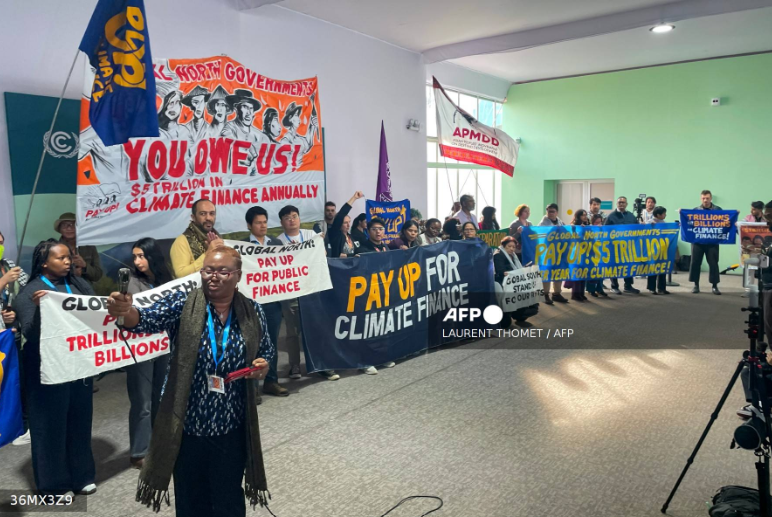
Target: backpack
{"x":735,"y":501}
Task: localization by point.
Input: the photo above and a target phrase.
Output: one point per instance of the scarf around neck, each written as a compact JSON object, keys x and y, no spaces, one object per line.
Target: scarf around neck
{"x":197,"y":239}
{"x":153,"y":483}
{"x":514,"y":263}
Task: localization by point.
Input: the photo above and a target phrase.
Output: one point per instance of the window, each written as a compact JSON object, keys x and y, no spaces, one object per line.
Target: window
{"x":448,"y":179}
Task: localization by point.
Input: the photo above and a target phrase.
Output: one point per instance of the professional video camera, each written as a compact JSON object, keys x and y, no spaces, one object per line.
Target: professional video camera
{"x":638,"y":205}
{"x":756,"y":433}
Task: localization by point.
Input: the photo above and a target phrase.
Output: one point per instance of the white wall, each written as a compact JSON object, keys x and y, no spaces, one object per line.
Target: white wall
{"x":361,"y":80}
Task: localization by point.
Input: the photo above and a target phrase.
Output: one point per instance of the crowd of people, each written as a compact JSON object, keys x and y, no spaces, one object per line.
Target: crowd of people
{"x":58,"y":417}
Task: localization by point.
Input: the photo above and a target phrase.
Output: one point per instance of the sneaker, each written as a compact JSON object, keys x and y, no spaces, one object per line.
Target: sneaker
{"x":632,"y":290}
{"x":88,"y":489}
{"x":616,"y":290}
{"x":330,"y":375}
{"x":559,"y":298}
{"x":696,"y":289}
{"x":23,"y":439}
{"x":275,"y":389}
{"x":295,"y":372}
{"x":370,"y":370}
{"x":715,"y":290}
{"x":390,"y":364}
{"x":547,"y":299}
{"x":665,"y":291}
{"x":652,"y":291}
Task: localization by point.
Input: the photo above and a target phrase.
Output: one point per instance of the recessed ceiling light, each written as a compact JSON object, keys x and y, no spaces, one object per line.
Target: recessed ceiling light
{"x":666,"y":27}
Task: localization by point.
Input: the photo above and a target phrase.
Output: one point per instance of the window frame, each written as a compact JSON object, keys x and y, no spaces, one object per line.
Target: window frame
{"x":446,"y":165}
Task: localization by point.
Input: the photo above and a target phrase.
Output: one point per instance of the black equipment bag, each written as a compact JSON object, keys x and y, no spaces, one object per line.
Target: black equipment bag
{"x":735,"y":501}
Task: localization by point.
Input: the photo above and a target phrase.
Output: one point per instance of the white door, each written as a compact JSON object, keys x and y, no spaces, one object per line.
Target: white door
{"x":574,"y":195}
{"x":570,"y":198}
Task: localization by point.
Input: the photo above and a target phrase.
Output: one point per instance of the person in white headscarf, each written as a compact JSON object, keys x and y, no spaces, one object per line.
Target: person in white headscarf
{"x":504,"y":261}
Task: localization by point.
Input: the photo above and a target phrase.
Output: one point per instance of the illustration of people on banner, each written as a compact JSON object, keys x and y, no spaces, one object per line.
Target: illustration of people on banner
{"x":753,"y":238}
{"x":226,"y":133}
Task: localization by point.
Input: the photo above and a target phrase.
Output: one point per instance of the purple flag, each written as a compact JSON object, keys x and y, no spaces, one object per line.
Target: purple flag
{"x":383,"y":191}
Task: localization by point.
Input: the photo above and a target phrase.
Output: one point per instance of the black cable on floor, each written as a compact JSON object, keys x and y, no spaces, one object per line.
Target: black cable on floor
{"x":398,"y":505}
{"x":417,"y":497}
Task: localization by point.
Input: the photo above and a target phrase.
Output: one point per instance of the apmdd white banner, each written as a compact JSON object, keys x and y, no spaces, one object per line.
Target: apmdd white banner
{"x":464,"y":138}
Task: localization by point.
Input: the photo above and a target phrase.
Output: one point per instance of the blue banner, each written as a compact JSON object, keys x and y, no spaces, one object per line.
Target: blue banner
{"x":11,"y":426}
{"x":395,"y":213}
{"x":385,"y":306}
{"x":709,"y":226}
{"x":595,"y":252}
{"x":117,"y":44}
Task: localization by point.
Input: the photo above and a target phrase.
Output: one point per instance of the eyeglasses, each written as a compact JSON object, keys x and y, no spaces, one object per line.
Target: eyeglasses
{"x":67,"y":224}
{"x":290,"y":217}
{"x":378,"y":228}
{"x":222,"y":274}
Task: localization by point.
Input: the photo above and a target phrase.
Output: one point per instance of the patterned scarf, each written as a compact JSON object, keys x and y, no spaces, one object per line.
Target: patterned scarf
{"x":153,"y":484}
{"x":197,"y":239}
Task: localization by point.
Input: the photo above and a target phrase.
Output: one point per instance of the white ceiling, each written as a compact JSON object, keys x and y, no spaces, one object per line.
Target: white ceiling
{"x":424,"y":25}
{"x":699,"y":38}
{"x":419,"y":25}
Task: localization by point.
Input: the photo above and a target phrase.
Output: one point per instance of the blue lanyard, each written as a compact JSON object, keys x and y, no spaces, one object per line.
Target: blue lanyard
{"x":52,"y":286}
{"x":213,"y":340}
{"x":299,"y":234}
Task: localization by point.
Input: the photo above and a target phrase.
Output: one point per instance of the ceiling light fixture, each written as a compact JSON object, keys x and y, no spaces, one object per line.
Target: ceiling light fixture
{"x":665,"y":27}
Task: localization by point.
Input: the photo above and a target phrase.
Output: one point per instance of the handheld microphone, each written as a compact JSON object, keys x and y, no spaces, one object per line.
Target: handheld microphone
{"x":123,"y":287}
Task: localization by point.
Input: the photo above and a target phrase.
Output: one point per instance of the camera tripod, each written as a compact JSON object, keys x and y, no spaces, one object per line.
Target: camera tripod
{"x":755,"y":359}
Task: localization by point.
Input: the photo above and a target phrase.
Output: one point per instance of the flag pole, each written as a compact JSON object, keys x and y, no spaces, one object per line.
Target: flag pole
{"x":43,"y":157}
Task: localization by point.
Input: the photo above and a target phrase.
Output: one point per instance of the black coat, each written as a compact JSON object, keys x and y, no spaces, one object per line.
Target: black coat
{"x":335,"y":238}
{"x":617,"y":217}
{"x":359,"y":236}
{"x":369,"y":247}
{"x":500,"y":266}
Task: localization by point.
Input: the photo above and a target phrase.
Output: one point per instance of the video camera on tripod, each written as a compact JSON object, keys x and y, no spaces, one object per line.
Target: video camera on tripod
{"x":638,"y":206}
{"x":756,"y":433}
{"x":753,"y":433}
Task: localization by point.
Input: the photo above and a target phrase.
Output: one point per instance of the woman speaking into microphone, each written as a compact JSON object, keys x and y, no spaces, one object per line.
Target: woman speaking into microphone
{"x":59,"y":414}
